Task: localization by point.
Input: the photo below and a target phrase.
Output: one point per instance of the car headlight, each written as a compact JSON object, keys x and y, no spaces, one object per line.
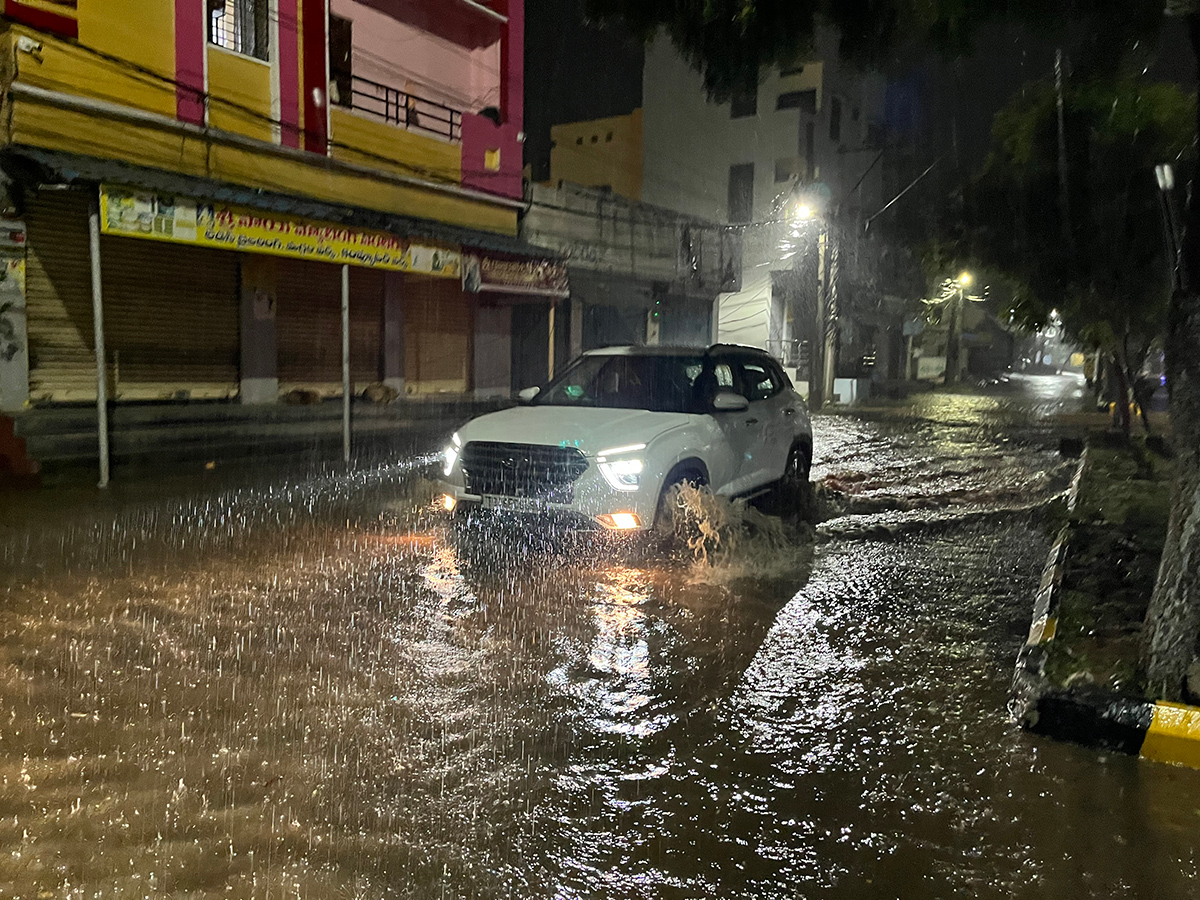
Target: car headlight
{"x":623,"y":474}
{"x":450,"y":454}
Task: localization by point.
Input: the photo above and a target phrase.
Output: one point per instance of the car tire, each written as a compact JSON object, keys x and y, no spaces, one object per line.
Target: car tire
{"x":664,"y":515}
{"x":793,"y":495}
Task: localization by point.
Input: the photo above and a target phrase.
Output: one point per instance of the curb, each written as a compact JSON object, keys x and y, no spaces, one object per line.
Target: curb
{"x":1162,"y":732}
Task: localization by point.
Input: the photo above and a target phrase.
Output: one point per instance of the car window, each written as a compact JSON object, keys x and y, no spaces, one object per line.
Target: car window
{"x":724,"y":373}
{"x":759,"y":381}
{"x":656,"y":383}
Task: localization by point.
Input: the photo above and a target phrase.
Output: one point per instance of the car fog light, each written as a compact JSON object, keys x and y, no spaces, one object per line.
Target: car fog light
{"x":448,"y":503}
{"x":621,"y":521}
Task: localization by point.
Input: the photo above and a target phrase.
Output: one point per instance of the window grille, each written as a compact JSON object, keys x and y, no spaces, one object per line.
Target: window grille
{"x":241,"y":26}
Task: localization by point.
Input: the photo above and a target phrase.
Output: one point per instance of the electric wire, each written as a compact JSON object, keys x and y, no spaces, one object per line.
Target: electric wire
{"x":447,"y":176}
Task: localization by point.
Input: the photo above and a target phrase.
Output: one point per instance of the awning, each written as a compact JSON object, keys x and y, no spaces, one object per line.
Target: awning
{"x":33,"y":166}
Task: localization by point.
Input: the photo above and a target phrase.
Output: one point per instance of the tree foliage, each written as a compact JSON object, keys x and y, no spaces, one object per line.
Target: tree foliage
{"x":730,"y":42}
{"x":1102,"y":262}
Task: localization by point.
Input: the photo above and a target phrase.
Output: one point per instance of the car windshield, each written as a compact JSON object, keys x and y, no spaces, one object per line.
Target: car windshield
{"x":654,"y":383}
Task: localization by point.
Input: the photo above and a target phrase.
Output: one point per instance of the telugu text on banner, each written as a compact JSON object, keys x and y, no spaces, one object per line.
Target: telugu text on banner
{"x":133,"y":213}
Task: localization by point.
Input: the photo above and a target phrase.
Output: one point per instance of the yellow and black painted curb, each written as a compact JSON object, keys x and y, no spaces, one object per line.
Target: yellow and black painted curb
{"x":1164,"y":732}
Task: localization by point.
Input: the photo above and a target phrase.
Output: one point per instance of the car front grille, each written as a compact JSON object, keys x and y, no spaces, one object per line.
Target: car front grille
{"x":536,"y":471}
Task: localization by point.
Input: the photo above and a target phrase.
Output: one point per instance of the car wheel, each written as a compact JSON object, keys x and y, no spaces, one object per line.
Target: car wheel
{"x":665,"y":525}
{"x":793,"y":495}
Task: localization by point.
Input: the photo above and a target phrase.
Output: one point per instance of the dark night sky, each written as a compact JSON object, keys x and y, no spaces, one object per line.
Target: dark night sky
{"x":573,"y":71}
{"x":576,"y":71}
{"x":965,"y":95}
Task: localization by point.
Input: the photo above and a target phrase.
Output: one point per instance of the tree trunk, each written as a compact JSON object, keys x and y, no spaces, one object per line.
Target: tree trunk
{"x":1121,"y":407}
{"x":1173,"y":619}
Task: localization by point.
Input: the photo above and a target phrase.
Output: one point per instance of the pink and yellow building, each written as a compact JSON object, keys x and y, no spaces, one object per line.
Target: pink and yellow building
{"x":236,"y":153}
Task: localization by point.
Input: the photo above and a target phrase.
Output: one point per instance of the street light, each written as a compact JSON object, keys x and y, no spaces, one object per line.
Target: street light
{"x":808,"y":219}
{"x":802,"y":212}
{"x":957,"y":297}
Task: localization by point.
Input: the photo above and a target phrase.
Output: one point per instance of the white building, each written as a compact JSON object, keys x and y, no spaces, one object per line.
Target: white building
{"x":807,"y":135}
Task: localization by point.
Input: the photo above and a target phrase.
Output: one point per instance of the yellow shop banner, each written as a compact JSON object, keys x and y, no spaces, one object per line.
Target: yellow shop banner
{"x":132,"y":213}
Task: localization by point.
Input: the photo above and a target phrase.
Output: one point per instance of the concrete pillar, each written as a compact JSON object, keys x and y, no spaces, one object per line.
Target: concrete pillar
{"x":576,"y":327}
{"x":393,"y":331}
{"x":260,"y":376}
{"x":14,"y":335}
{"x":493,"y":351}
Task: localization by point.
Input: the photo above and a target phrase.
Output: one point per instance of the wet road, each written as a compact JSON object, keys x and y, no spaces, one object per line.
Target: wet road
{"x":312,"y":691}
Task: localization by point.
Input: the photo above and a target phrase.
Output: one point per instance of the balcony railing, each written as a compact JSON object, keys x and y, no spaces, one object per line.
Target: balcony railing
{"x":404,"y":109}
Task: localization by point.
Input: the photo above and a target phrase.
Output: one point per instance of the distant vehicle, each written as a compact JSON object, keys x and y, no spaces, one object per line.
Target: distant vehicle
{"x":610,"y":439}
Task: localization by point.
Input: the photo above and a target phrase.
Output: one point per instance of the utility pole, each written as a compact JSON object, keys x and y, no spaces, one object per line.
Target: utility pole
{"x":957,"y":302}
{"x":816,"y":368}
{"x":830,"y":310}
{"x":954,"y":337}
{"x":1064,"y":194}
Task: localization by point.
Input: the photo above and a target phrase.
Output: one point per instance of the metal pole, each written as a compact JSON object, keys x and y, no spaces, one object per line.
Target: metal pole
{"x":1064,"y":192}
{"x":954,"y":338}
{"x":98,"y":329}
{"x":550,"y":354}
{"x":346,"y":363}
{"x":816,"y":385}
{"x":831,"y":311}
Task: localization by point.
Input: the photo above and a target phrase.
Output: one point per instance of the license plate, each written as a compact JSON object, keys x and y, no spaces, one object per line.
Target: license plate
{"x":512,"y":504}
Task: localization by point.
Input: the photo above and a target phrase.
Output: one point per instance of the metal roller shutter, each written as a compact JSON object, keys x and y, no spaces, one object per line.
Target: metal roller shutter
{"x":366,"y":326}
{"x":171,"y":319}
{"x":58,"y":298}
{"x":438,"y":325}
{"x":308,"y":326}
{"x":170,"y":311}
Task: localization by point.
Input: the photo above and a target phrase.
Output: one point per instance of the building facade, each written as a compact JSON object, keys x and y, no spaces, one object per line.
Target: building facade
{"x":238,"y":159}
{"x":811,"y":136}
{"x":808,"y":137}
{"x":638,"y":274}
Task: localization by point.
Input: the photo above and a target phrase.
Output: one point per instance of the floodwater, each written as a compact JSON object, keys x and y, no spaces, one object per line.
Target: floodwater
{"x":312,"y":690}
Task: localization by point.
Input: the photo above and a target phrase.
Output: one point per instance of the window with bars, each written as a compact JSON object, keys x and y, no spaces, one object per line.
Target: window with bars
{"x":241,"y":26}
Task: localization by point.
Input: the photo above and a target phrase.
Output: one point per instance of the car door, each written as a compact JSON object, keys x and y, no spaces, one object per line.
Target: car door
{"x":730,"y":462}
{"x":768,"y":422}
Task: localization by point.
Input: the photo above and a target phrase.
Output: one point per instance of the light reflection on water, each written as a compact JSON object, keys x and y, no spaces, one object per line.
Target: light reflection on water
{"x":310,"y":691}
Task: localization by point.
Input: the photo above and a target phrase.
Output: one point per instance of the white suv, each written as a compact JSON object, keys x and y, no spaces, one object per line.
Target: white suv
{"x":610,"y":437}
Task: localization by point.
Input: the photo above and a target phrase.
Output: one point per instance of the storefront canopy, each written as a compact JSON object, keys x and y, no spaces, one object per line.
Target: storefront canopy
{"x":33,"y":166}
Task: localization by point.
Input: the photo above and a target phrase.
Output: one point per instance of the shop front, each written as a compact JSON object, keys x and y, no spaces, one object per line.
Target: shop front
{"x":522,"y":325}
{"x":141,"y":294}
{"x":290,"y":296}
{"x":171,"y":311}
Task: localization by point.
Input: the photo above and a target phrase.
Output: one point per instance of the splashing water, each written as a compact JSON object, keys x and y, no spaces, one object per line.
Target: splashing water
{"x":725,"y":540}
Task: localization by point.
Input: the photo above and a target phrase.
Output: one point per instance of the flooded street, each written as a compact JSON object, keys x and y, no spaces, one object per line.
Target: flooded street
{"x":312,"y":690}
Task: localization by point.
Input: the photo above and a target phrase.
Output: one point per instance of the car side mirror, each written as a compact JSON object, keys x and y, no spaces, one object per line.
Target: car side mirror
{"x":527,"y":395}
{"x":730,"y":401}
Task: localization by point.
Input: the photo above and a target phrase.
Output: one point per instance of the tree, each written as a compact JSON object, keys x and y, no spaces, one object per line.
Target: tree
{"x":1173,"y":620}
{"x":1096,"y":255}
{"x":731,"y":41}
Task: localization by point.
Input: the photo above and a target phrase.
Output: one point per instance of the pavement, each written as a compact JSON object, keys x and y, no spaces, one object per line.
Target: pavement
{"x":1087,"y":714}
{"x":60,"y":444}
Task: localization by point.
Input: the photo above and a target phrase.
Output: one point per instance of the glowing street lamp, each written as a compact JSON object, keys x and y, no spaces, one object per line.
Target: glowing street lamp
{"x":802,"y":212}
{"x":954,"y":337}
